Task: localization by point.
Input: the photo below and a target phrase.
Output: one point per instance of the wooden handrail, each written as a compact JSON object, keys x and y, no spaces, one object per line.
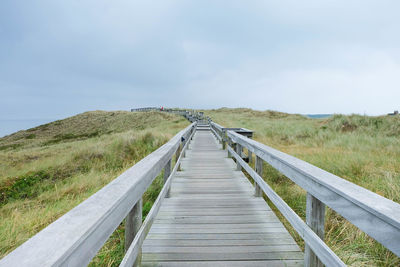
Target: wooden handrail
{"x":377,"y":216}
{"x":327,"y":256}
{"x":133,"y":251}
{"x":75,"y":238}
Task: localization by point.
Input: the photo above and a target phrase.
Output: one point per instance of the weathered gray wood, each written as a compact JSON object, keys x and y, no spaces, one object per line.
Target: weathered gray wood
{"x":214,"y":236}
{"x":221,"y":249}
{"x":259,"y":170}
{"x":219,"y":242}
{"x":133,"y":254}
{"x":239,"y":152}
{"x":315,"y":218}
{"x":284,"y":255}
{"x":375,"y":215}
{"x":75,"y":238}
{"x":167,"y":171}
{"x":132,"y":225}
{"x":211,"y":209}
{"x":250,"y":155}
{"x":258,"y":263}
{"x":325,"y":254}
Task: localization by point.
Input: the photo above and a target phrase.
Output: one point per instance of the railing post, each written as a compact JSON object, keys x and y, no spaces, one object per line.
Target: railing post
{"x":250,"y":155}
{"x":229,"y":144}
{"x":183,"y":144}
{"x":167,"y":173}
{"x":223,"y":137}
{"x":132,"y":226}
{"x":239,"y":152}
{"x":315,"y":218}
{"x":259,"y":170}
{"x":177,"y":154}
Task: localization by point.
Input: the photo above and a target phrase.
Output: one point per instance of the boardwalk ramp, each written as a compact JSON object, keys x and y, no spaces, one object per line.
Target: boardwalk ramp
{"x":212,"y":217}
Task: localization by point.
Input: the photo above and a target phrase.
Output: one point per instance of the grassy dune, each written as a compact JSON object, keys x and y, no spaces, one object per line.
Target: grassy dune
{"x":48,"y":170}
{"x":361,"y":149}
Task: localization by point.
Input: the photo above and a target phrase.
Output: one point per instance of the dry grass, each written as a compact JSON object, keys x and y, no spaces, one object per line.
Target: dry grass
{"x":42,"y":179}
{"x":364,"y":150}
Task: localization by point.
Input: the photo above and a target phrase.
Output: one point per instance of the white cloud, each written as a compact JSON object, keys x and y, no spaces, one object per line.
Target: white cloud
{"x":302,"y":57}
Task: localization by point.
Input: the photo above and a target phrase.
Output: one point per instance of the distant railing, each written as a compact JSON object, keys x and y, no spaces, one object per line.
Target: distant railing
{"x":375,"y":215}
{"x":190,"y":115}
{"x":76,"y":237}
{"x":145,"y":109}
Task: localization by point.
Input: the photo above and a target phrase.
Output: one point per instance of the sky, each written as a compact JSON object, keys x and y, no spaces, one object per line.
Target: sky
{"x":59,"y":58}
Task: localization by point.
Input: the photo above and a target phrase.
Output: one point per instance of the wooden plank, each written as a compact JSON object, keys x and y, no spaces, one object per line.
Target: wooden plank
{"x":133,"y":254}
{"x":270,"y":263}
{"x":213,"y":216}
{"x":219,"y":242}
{"x":258,"y":236}
{"x":216,"y":226}
{"x":133,"y":223}
{"x":377,"y":216}
{"x":224,"y":230}
{"x":221,"y":249}
{"x":211,"y":212}
{"x":327,"y":256}
{"x":315,"y":218}
{"x":285,"y":255}
{"x":75,"y":238}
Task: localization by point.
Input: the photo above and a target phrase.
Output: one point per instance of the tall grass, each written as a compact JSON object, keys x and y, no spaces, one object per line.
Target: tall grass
{"x":361,"y":149}
{"x":40,"y":180}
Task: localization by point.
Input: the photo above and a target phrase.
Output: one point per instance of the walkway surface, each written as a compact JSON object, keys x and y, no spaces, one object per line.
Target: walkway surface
{"x":213,"y":219}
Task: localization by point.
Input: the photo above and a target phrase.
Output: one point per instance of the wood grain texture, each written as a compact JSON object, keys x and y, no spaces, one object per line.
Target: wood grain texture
{"x":377,"y":216}
{"x":212,"y":216}
{"x":326,"y":255}
{"x":75,"y":238}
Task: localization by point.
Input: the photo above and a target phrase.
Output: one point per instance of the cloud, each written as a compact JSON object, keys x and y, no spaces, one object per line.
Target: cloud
{"x":303,"y":57}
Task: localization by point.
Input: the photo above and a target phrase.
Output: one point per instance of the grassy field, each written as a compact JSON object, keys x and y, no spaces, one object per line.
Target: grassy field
{"x":48,"y":170}
{"x":361,"y":149}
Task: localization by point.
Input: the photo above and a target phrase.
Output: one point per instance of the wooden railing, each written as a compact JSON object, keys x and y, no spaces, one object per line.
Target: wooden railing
{"x":145,"y":109}
{"x":375,"y":215}
{"x":76,"y":237}
{"x":190,"y":115}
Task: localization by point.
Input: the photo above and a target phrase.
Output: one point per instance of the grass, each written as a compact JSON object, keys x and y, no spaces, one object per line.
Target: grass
{"x":48,"y":170}
{"x":361,"y":149}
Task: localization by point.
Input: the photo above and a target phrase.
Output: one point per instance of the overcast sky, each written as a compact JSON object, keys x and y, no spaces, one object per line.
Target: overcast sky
{"x":59,"y":58}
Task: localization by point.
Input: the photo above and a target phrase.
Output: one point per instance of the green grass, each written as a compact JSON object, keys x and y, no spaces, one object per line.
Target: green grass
{"x":48,"y":170}
{"x":361,"y":149}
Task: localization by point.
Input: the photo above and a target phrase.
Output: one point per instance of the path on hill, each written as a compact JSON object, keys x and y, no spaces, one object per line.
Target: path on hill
{"x":212,"y":217}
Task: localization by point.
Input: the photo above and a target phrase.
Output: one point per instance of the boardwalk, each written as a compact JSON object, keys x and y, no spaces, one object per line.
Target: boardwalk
{"x":213,"y":219}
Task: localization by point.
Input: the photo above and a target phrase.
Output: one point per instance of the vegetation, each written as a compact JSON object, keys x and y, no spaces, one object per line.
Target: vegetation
{"x":48,"y":170}
{"x":361,"y":149}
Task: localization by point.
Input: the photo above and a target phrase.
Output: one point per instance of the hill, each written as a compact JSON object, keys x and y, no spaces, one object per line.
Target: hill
{"x":47,"y":170}
{"x":362,"y":149}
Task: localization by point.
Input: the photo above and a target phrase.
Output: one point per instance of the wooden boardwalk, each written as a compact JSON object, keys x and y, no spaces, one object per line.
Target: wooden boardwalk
{"x":212,"y":217}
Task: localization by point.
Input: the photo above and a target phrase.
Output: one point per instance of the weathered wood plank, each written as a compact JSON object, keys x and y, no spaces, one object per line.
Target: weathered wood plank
{"x":258,"y":263}
{"x":221,"y":249}
{"x":75,"y":238}
{"x":213,"y":215}
{"x":258,"y":236}
{"x":285,"y":255}
{"x":219,"y":242}
{"x":327,"y":256}
{"x":377,"y":216}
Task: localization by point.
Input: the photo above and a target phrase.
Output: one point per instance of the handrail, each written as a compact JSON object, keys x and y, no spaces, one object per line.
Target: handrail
{"x":133,"y":251}
{"x":75,"y":238}
{"x":326,"y":255}
{"x":377,"y":216}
